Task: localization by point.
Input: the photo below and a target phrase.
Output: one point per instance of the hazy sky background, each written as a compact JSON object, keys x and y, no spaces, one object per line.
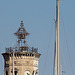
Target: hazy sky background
{"x":38,"y":17}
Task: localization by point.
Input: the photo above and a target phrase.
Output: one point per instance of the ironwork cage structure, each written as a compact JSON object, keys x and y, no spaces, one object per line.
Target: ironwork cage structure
{"x":21,"y":34}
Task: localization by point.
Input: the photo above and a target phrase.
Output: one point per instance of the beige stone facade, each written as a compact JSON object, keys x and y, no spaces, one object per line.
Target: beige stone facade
{"x":25,"y":63}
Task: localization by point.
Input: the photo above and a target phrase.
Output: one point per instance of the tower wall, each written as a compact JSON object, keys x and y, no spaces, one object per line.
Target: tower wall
{"x":23,"y":61}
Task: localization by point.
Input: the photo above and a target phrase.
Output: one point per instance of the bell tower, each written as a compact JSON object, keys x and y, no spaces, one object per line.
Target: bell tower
{"x":25,"y":58}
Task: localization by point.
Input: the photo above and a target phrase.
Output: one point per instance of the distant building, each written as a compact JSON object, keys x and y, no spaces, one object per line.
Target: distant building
{"x":25,"y":57}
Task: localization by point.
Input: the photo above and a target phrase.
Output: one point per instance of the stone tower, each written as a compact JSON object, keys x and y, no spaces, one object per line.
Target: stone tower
{"x":25,"y":57}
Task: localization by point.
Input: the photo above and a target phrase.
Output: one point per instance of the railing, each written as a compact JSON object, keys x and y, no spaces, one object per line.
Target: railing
{"x":21,"y":49}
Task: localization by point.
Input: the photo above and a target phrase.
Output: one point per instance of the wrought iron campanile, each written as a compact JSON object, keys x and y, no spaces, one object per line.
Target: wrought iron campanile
{"x":21,"y":34}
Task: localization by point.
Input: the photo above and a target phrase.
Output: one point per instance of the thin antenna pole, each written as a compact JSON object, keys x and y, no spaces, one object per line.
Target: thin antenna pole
{"x":57,"y":38}
{"x":13,"y":60}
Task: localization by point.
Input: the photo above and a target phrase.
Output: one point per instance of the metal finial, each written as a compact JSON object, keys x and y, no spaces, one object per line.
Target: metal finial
{"x":21,"y":24}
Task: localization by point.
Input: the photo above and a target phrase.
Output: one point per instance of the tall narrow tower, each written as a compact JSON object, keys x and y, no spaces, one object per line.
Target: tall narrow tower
{"x":25,"y":57}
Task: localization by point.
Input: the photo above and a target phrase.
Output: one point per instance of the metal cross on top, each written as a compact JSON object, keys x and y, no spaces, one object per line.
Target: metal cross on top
{"x":21,"y":24}
{"x":21,"y":34}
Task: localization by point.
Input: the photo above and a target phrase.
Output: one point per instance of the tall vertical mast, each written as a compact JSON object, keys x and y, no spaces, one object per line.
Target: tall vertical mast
{"x":13,"y":61}
{"x":57,"y":39}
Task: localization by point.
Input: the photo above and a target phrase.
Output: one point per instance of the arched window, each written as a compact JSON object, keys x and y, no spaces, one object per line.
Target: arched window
{"x":6,"y":72}
{"x":15,"y":72}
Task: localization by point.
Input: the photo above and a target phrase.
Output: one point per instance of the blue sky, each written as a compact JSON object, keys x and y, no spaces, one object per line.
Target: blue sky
{"x":38,"y":17}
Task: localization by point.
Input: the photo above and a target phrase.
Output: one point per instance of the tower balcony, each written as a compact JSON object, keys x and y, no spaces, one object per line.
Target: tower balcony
{"x":22,"y":49}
